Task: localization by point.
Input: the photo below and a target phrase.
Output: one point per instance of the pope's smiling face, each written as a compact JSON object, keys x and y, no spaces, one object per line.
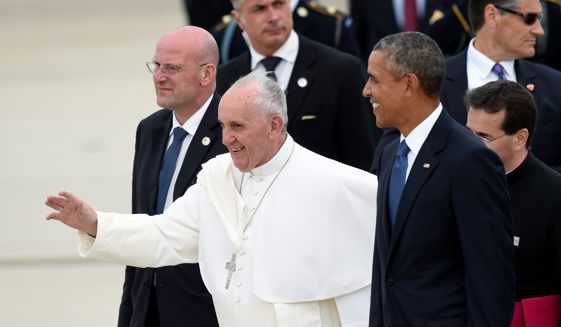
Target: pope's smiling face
{"x":246,"y":130}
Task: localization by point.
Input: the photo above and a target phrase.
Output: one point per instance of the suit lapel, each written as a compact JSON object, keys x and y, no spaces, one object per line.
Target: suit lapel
{"x":203,"y":139}
{"x":301,"y":78}
{"x":524,"y":74}
{"x":160,"y":136}
{"x":423,"y":167}
{"x":457,"y":86}
{"x":384,"y":181}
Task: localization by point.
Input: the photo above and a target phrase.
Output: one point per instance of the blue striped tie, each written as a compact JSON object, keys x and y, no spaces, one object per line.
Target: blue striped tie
{"x":168,"y":167}
{"x":499,"y":70}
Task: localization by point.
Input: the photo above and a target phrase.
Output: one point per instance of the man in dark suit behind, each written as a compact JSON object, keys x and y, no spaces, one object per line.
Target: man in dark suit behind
{"x":372,"y":20}
{"x":443,"y":249}
{"x":503,"y":115}
{"x":326,"y":112}
{"x":184,"y":73}
{"x":326,"y":25}
{"x":504,"y":38}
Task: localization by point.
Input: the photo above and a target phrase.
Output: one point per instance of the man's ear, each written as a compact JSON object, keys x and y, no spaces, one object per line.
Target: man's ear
{"x":238,"y":17}
{"x":276,"y":124}
{"x":412,"y":84}
{"x":490,"y":15}
{"x":208,"y":74}
{"x":521,"y":138}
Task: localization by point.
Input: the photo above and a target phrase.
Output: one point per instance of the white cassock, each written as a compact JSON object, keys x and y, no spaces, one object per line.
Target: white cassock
{"x":301,"y":230}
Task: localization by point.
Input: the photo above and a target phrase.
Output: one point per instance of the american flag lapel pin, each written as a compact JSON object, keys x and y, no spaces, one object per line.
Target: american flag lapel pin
{"x":426,"y":165}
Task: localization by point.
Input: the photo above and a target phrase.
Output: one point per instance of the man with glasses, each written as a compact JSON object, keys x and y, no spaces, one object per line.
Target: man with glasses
{"x":503,"y":115}
{"x":505,"y":32}
{"x":171,"y":145}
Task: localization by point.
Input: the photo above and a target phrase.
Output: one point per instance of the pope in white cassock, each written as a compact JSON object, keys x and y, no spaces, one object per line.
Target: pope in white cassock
{"x":283,"y":236}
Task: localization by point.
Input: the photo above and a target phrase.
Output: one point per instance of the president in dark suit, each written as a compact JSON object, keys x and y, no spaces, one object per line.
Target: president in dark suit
{"x":184,"y":72}
{"x":326,"y":112}
{"x":503,"y":38}
{"x":503,"y":115}
{"x":443,"y":249}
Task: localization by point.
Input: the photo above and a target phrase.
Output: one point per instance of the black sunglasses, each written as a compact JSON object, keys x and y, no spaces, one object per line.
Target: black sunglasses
{"x":528,"y":18}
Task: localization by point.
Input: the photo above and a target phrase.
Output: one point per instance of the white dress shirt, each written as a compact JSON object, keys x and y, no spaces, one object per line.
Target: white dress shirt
{"x":287,"y":53}
{"x":190,"y":126}
{"x":479,"y":68}
{"x":418,"y":136}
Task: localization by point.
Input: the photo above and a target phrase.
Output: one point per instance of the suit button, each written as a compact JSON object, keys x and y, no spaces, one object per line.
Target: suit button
{"x":389,"y":281}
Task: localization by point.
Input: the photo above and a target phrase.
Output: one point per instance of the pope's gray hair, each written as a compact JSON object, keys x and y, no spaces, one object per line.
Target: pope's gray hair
{"x":270,"y":97}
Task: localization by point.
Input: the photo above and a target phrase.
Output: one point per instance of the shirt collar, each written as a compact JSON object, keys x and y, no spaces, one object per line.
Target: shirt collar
{"x":419,"y":134}
{"x":287,"y":52}
{"x":277,"y":162}
{"x":193,"y":122}
{"x":482,"y":64}
{"x":293,"y":4}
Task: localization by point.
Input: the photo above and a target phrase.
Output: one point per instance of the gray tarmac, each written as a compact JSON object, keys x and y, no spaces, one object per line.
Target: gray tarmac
{"x":73,"y":87}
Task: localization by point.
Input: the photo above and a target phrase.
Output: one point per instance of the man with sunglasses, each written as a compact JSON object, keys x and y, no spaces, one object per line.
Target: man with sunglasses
{"x":503,"y":115}
{"x":505,"y":32}
{"x":171,"y":145}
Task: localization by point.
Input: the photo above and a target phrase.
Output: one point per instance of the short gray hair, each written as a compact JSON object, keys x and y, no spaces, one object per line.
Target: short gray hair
{"x":270,"y":97}
{"x":414,"y":52}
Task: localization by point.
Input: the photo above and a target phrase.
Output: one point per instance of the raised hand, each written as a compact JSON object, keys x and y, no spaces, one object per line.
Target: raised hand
{"x":73,"y":212}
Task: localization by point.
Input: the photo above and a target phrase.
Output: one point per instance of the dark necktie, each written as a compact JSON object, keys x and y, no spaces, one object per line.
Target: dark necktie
{"x":410,"y":11}
{"x":168,"y":167}
{"x":397,"y":180}
{"x":499,"y":70}
{"x":270,"y":63}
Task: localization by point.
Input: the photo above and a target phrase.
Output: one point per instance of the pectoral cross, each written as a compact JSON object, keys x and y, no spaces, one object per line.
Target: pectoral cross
{"x":231,"y":266}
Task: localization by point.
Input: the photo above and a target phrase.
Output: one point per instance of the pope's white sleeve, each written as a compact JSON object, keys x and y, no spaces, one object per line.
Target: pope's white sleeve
{"x":354,"y":308}
{"x":148,"y":241}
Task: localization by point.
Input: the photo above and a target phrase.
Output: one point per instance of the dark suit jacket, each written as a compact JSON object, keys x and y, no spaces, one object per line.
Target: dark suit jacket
{"x":183,"y":299}
{"x":328,"y":115}
{"x":206,"y":13}
{"x":333,"y":30}
{"x":546,"y":144}
{"x":536,"y":220}
{"x":372,"y":20}
{"x":448,"y":261}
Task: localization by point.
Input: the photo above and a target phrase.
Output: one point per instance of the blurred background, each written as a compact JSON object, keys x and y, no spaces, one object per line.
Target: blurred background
{"x":72,"y":90}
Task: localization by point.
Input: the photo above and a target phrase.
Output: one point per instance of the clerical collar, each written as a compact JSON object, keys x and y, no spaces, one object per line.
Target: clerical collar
{"x":521,"y":172}
{"x":277,"y":162}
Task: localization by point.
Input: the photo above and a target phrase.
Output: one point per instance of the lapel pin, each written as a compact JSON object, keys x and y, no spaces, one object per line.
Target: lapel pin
{"x":205,"y":141}
{"x":302,"y":82}
{"x":302,"y":12}
{"x":426,"y":165}
{"x":530,"y":87}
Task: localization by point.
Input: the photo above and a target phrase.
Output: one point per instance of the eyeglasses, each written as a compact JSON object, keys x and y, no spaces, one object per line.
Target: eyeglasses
{"x":487,"y":139}
{"x":528,"y":18}
{"x":169,"y":69}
